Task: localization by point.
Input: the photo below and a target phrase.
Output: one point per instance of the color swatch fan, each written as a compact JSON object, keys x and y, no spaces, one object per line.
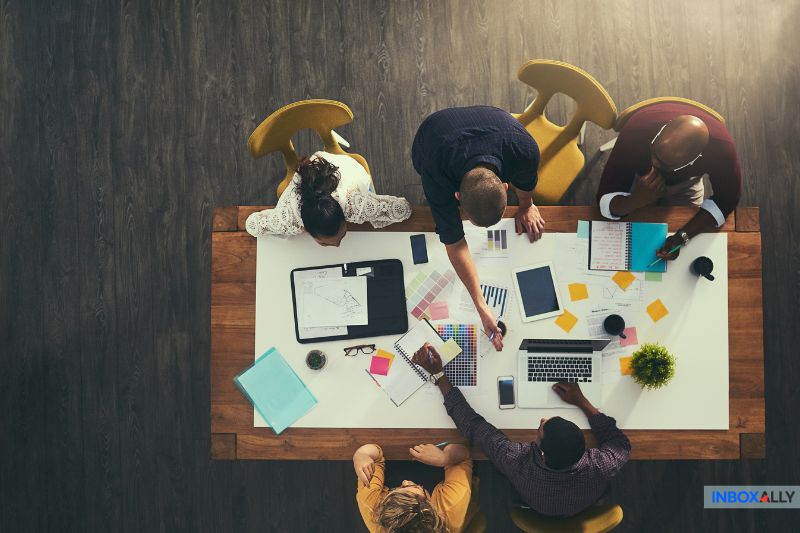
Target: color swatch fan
{"x":426,"y":288}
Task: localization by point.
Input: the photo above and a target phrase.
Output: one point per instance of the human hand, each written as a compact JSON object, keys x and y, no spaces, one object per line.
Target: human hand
{"x":364,"y":465}
{"x":491,"y":328}
{"x":428,"y":454}
{"x":671,"y":242}
{"x":648,"y":188}
{"x":428,"y":358}
{"x":570,"y":393}
{"x":530,"y":221}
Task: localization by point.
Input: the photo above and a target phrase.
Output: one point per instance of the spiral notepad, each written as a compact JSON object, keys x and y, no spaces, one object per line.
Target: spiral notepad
{"x":627,"y":246}
{"x":404,"y":377}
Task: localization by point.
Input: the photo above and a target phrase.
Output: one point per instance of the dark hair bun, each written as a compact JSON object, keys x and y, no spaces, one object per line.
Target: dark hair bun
{"x":318,"y":178}
{"x":321,"y":213}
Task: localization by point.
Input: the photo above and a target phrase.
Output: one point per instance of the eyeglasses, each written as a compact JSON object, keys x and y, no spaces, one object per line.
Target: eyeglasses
{"x":690,"y":163}
{"x":366,"y":349}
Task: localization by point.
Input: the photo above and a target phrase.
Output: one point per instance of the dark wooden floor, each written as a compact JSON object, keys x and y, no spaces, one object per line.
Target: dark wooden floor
{"x":123,"y":123}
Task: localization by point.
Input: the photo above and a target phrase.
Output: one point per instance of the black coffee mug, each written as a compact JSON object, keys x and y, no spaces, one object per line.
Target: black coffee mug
{"x":702,"y":266}
{"x":614,"y":325}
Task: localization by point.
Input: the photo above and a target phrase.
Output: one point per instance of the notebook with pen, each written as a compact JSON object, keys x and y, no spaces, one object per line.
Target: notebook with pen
{"x":404,"y":377}
{"x":627,"y":246}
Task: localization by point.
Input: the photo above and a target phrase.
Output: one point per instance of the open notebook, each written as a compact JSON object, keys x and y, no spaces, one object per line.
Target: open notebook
{"x":628,"y":246}
{"x":404,"y":377}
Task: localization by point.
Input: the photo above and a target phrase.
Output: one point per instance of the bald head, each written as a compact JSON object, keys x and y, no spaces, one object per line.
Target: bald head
{"x":682,"y":140}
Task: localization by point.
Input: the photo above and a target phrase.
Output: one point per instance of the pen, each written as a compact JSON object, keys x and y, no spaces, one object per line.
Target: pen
{"x":668,"y":253}
{"x":441,"y":444}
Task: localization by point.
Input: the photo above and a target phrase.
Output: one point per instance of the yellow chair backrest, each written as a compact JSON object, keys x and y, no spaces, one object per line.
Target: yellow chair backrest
{"x":595,"y":519}
{"x":558,"y":145}
{"x":627,"y":113}
{"x":274,"y":134}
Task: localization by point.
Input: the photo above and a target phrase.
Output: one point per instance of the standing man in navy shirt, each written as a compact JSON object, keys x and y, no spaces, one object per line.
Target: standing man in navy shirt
{"x":467,"y":157}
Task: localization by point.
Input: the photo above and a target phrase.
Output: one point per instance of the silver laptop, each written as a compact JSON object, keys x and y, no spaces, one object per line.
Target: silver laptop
{"x":544,"y":362}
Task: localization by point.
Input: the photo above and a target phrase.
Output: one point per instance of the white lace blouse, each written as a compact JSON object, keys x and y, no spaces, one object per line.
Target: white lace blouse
{"x":354,"y":194}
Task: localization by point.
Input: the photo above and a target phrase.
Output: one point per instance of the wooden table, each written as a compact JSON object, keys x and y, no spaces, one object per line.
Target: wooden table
{"x":233,"y":313}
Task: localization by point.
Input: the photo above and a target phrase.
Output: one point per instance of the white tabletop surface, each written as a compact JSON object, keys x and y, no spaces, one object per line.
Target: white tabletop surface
{"x":695,"y":331}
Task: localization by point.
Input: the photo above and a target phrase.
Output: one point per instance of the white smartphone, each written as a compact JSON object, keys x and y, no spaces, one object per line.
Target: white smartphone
{"x":505,"y":392}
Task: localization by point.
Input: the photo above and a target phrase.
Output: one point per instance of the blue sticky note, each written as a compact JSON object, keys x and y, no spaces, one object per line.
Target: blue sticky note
{"x":275,"y":390}
{"x":583,"y":229}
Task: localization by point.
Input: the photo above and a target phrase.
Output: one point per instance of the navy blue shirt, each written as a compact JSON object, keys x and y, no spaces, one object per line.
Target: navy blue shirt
{"x":451,"y":142}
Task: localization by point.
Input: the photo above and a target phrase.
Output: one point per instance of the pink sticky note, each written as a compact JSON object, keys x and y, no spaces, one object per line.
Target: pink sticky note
{"x":630,"y":333}
{"x":379,"y":365}
{"x":439,"y":310}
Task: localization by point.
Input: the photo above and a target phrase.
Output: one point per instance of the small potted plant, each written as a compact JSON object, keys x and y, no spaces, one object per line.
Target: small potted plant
{"x":652,"y":366}
{"x":316,"y":359}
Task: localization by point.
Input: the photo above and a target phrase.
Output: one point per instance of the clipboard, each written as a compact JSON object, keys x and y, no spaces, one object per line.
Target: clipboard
{"x":386,"y":299}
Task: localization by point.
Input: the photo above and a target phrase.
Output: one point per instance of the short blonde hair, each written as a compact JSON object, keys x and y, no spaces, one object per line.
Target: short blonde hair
{"x":404,"y":512}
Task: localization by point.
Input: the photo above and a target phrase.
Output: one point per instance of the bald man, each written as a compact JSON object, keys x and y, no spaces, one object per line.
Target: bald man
{"x":660,"y":158}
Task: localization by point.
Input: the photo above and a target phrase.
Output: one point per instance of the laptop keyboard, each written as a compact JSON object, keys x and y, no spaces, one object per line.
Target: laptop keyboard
{"x":559,"y":368}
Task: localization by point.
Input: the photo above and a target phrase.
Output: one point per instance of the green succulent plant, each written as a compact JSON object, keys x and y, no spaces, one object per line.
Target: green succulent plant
{"x":652,"y":366}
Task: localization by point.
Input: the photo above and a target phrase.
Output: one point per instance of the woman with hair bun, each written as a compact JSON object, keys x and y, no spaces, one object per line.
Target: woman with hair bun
{"x":327,"y":191}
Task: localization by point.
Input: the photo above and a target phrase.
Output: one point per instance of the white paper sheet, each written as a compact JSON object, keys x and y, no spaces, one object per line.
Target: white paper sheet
{"x":325,"y":331}
{"x":333,"y":302}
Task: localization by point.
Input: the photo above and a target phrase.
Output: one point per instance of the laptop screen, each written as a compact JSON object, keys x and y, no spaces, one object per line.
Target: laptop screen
{"x":537,"y":291}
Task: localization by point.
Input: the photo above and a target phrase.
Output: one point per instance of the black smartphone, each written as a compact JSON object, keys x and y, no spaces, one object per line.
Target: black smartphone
{"x":505,"y":392}
{"x":419,"y":250}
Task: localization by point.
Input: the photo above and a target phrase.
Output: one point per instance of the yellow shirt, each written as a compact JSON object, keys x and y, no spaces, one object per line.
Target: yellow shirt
{"x":450,"y":498}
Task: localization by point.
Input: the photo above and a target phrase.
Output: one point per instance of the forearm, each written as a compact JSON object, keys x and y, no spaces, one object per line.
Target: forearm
{"x":371,"y":451}
{"x":703,"y":221}
{"x":460,"y":258}
{"x":588,"y":409}
{"x":455,"y":453}
{"x":473,"y":426}
{"x":621,"y":206}
{"x":525,"y":198}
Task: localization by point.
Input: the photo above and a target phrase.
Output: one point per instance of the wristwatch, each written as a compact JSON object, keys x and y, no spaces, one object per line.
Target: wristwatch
{"x":685,"y":236}
{"x":437,"y":376}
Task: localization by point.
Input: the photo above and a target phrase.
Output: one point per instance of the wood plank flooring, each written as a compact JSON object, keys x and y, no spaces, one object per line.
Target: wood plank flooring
{"x":123,"y":123}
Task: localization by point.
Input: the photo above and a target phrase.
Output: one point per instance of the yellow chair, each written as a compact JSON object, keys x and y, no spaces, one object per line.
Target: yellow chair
{"x":475,"y":520}
{"x":561,"y":160}
{"x":275,"y":132}
{"x":628,"y":113}
{"x":595,"y":519}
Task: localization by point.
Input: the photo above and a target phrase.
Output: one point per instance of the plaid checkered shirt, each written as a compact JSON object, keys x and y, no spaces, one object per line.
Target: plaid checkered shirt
{"x":549,"y":492}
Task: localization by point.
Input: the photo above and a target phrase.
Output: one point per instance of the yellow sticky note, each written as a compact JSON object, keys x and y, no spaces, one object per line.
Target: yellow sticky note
{"x":623,"y":279}
{"x":578,"y":291}
{"x":449,"y":351}
{"x":566,"y":321}
{"x":625,"y":366}
{"x":386,"y":355}
{"x":657,"y":310}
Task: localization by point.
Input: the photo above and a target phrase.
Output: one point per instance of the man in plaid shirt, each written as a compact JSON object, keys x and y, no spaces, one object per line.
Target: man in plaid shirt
{"x":555,"y":474}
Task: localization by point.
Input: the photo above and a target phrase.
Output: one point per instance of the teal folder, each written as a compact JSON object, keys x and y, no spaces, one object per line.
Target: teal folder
{"x":275,"y":390}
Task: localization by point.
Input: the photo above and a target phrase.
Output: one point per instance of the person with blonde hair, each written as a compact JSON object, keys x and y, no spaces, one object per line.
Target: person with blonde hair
{"x":410,"y":508}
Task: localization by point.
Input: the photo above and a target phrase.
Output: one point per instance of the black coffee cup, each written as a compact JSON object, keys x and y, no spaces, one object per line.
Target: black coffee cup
{"x":614,"y":325}
{"x":702,"y":266}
